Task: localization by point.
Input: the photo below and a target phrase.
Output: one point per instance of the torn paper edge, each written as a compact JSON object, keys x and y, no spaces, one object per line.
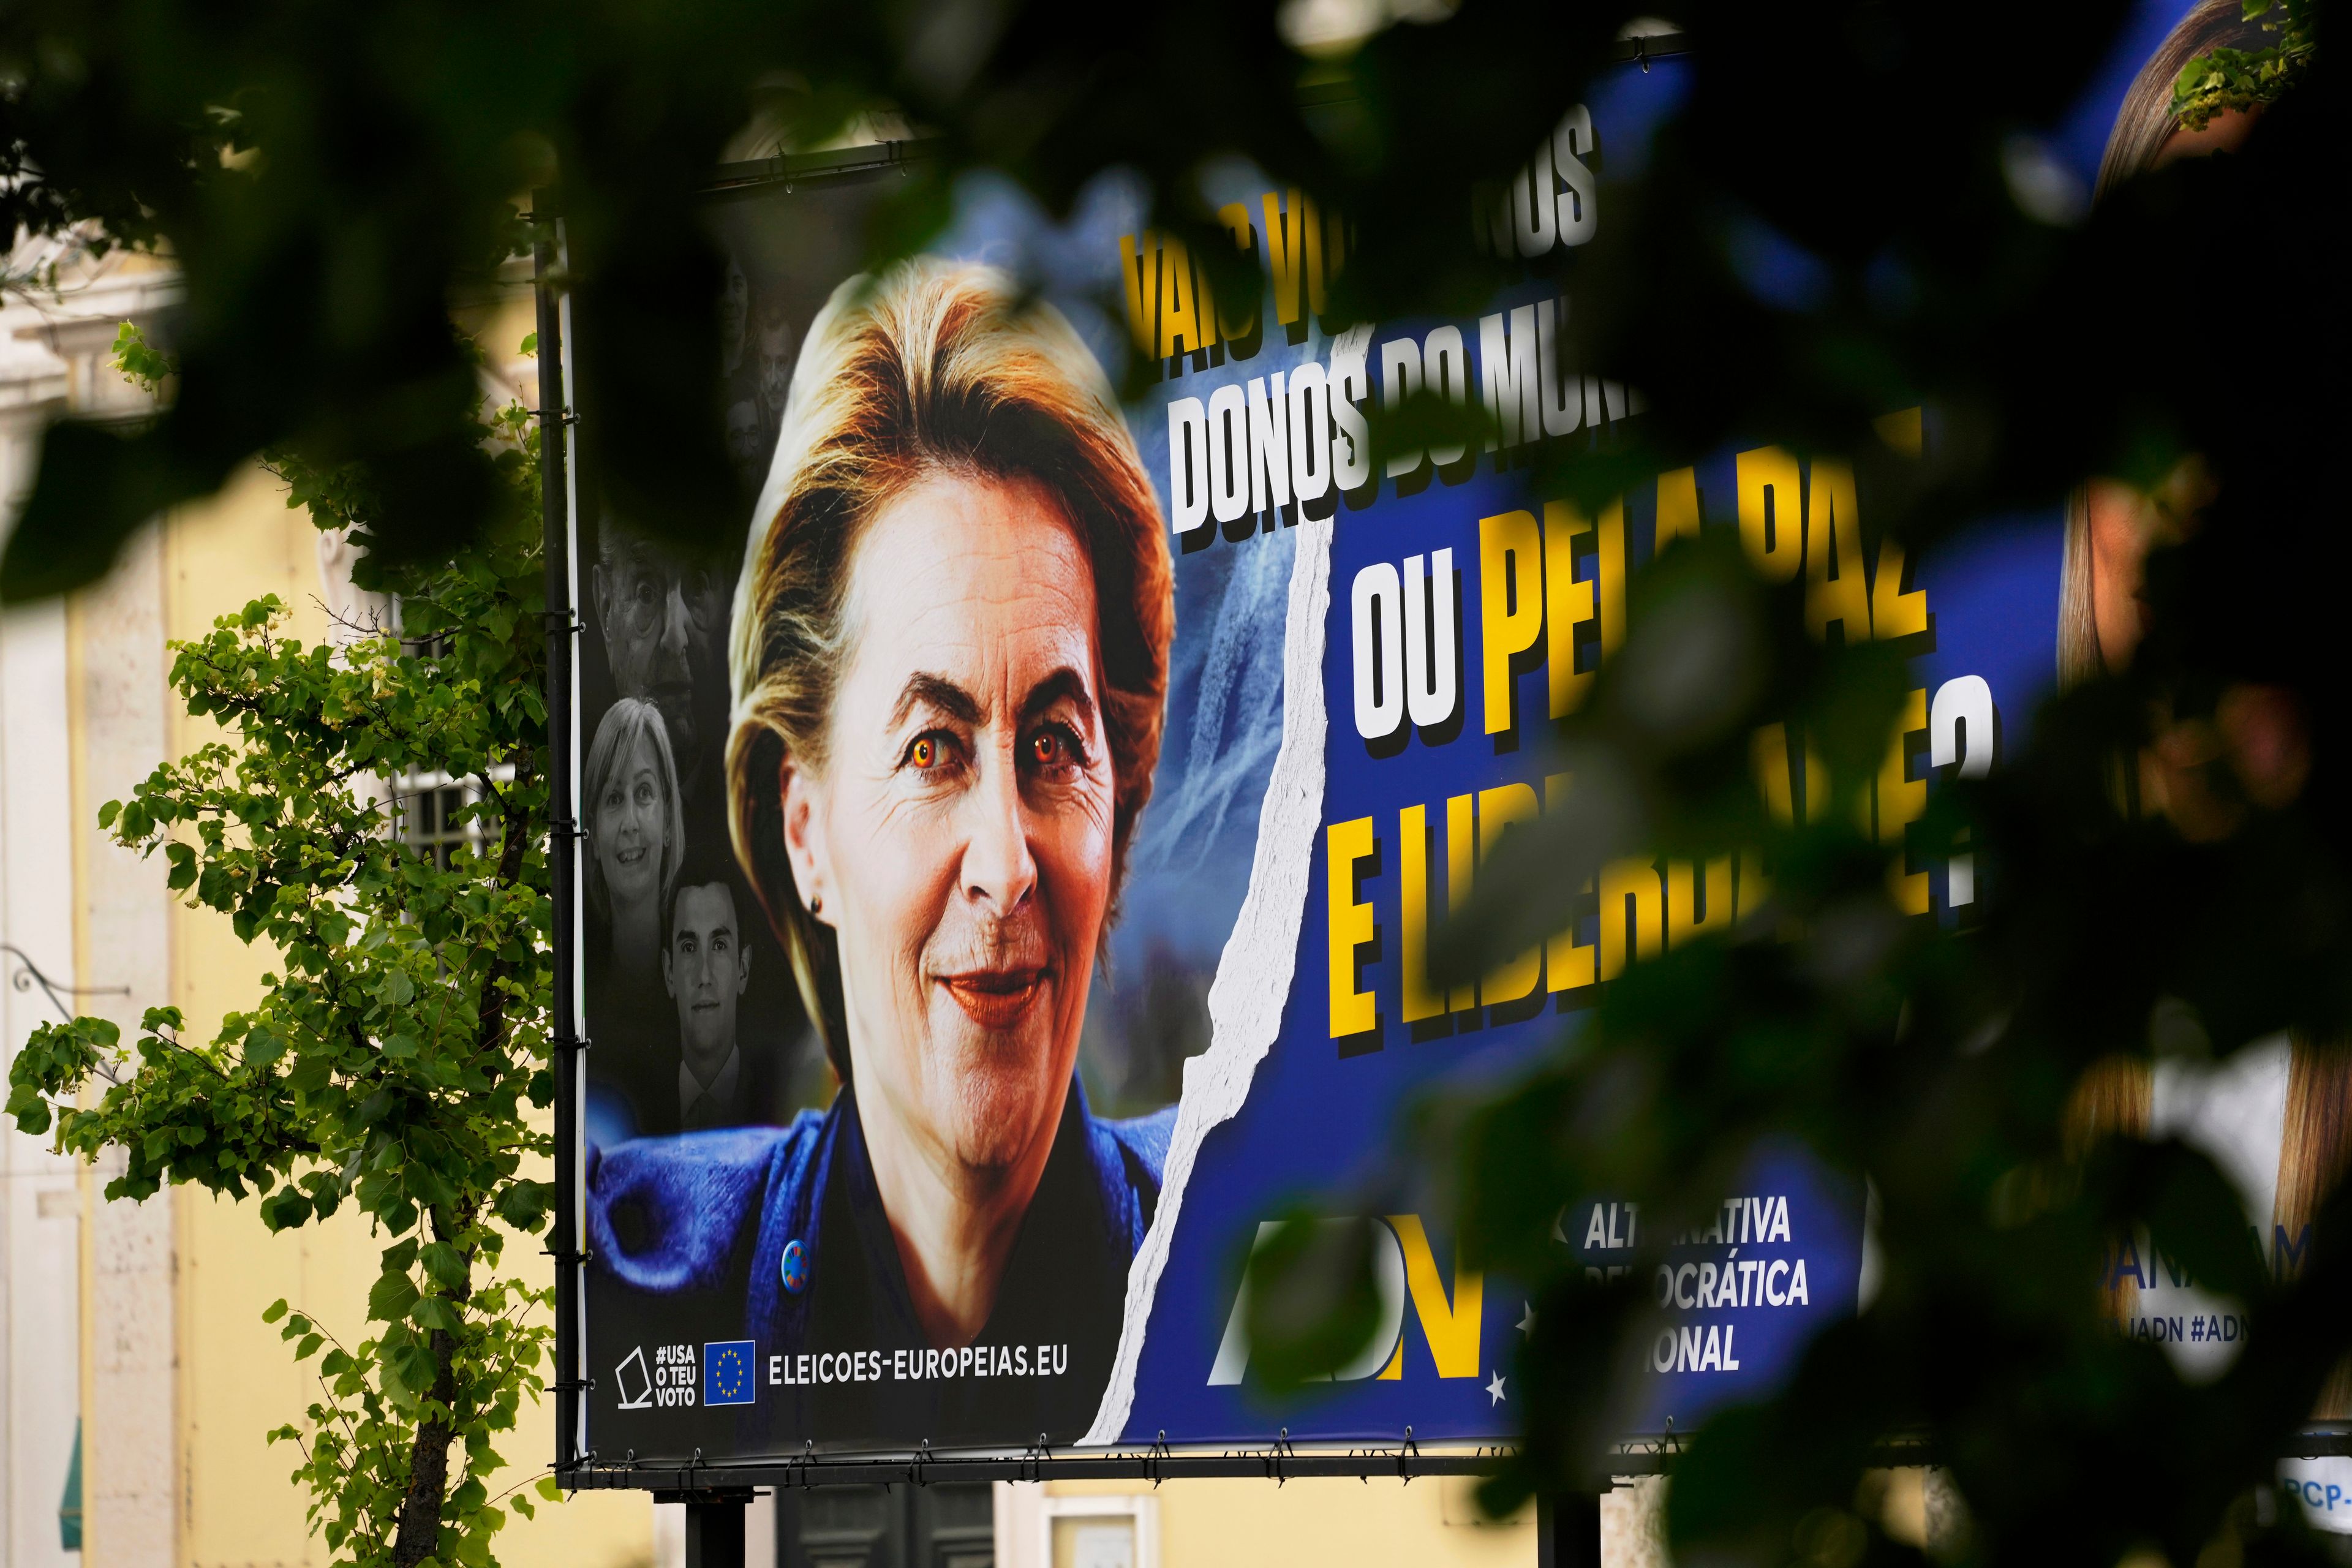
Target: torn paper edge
{"x":1255,"y":973}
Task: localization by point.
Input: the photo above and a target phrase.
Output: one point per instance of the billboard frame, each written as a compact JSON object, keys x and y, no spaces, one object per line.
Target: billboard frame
{"x":579,"y":1468}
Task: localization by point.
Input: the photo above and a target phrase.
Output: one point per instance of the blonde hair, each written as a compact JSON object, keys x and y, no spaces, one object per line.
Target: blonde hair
{"x":2115,"y":1096}
{"x":2079,"y":658}
{"x":2312,"y":1153}
{"x":2143,"y":123}
{"x":624,"y":723}
{"x":2144,"y":119}
{"x":929,"y":367}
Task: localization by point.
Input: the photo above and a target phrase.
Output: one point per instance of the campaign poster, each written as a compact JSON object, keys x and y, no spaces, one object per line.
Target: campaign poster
{"x":2272,"y":1113}
{"x":1011,"y":867}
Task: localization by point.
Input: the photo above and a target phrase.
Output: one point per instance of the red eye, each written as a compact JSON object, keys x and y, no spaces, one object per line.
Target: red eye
{"x":924,"y":753}
{"x":1047,"y":747}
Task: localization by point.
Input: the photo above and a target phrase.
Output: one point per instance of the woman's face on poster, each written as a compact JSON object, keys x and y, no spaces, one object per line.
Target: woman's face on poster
{"x":629,"y":831}
{"x":959,"y":836}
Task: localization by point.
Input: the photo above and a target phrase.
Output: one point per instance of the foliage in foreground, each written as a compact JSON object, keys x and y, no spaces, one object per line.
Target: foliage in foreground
{"x":2163,"y":866}
{"x":2224,"y":79}
{"x":394,"y":1059}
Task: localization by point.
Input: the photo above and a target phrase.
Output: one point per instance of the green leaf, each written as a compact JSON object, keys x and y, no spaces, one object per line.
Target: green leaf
{"x":412,"y":1367}
{"x":276,"y":1310}
{"x":285,"y":1209}
{"x":447,"y":1265}
{"x":436,"y":1312}
{"x":525,"y":1205}
{"x":391,"y":1297}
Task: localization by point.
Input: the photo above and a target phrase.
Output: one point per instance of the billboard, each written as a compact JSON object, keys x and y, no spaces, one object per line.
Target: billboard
{"x":1011,"y":868}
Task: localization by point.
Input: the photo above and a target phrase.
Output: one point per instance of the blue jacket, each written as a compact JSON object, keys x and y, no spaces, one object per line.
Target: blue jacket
{"x":689,"y":1207}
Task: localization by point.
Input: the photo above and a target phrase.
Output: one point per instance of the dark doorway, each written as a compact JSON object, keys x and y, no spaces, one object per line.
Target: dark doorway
{"x":886,"y":1527}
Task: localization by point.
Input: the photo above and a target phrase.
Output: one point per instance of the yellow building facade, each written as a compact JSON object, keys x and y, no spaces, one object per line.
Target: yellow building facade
{"x":142,"y":1322}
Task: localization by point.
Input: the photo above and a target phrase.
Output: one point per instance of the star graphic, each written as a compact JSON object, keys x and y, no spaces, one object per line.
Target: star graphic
{"x":1495,"y":1390}
{"x":1527,"y":1324}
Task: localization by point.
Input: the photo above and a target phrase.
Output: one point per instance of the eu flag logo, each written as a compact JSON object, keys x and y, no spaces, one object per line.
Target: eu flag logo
{"x":727,"y":1372}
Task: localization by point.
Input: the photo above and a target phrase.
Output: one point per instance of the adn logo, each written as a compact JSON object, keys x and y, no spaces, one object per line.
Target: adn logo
{"x":1403,"y":1267}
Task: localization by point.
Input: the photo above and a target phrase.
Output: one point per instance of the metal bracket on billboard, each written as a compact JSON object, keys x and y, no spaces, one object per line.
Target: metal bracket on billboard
{"x":1644,"y":48}
{"x":1652,"y":1456}
{"x":1276,"y":1455}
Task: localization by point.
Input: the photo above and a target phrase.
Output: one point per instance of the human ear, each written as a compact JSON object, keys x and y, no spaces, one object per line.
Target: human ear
{"x":804,"y":845}
{"x":668,"y":983}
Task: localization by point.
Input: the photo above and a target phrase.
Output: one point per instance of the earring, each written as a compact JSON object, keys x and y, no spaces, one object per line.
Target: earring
{"x":816,"y":903}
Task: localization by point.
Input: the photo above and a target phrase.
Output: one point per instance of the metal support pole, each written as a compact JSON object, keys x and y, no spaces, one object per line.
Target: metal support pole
{"x":563,"y":1236}
{"x":714,"y":1525}
{"x":1567,"y":1530}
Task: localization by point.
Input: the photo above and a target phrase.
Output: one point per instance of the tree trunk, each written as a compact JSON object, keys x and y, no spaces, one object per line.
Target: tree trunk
{"x":419,"y":1533}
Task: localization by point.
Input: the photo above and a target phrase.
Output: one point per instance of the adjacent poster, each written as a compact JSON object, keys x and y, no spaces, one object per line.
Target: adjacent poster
{"x":1011,"y":867}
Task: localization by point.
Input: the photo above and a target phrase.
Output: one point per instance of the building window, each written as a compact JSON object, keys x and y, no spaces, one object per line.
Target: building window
{"x":427,"y":814}
{"x":426,"y":808}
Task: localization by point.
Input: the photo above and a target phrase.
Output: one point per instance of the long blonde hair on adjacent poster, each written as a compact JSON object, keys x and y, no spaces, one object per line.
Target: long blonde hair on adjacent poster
{"x":2314,"y":1150}
{"x":2116,"y":1094}
{"x":2143,"y":123}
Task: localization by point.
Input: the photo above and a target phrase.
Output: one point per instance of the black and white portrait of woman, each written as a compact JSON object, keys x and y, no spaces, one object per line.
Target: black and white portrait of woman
{"x":632,"y":809}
